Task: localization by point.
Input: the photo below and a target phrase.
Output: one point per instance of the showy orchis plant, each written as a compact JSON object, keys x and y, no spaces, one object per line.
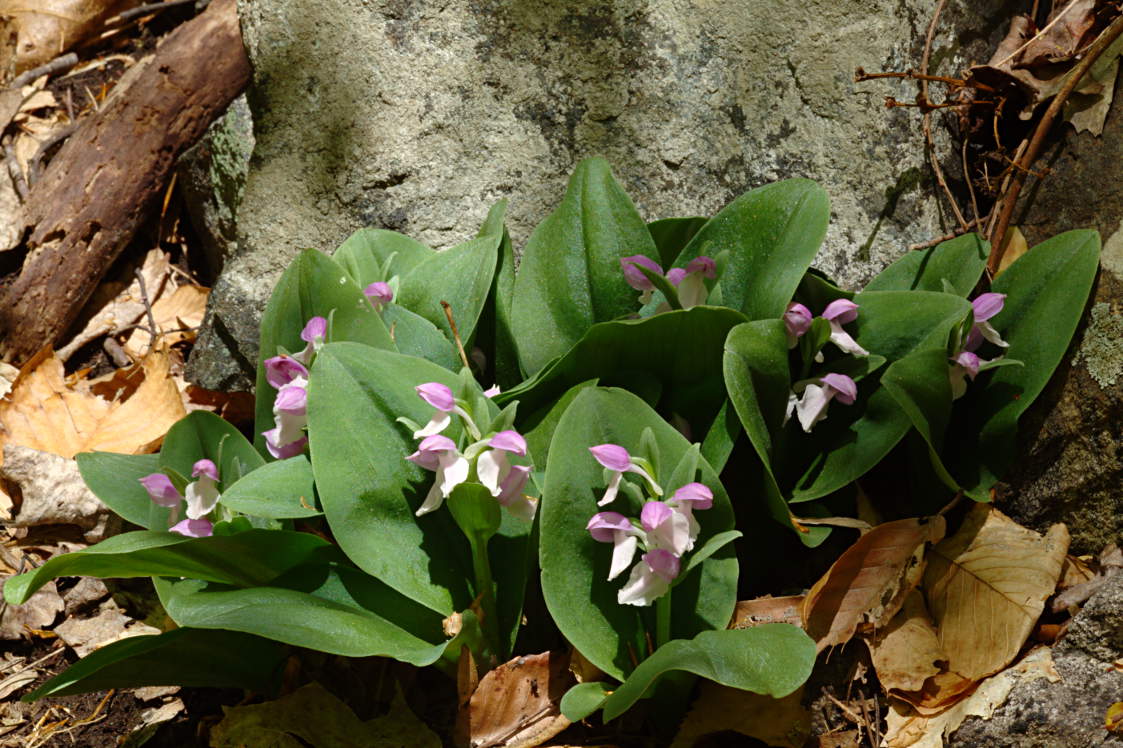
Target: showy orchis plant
{"x":390,"y":506}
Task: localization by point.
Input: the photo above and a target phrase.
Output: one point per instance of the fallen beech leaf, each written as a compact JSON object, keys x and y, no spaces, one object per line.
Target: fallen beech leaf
{"x":38,"y":612}
{"x":867,"y":585}
{"x":182,"y":309}
{"x":761,"y":610}
{"x":907,"y":652}
{"x":44,"y":413}
{"x":777,"y":722}
{"x":987,"y":585}
{"x":517,"y":705}
{"x":54,"y":493}
{"x":1062,"y":36}
{"x":1016,"y":246}
{"x":311,"y":716}
{"x":906,"y":729}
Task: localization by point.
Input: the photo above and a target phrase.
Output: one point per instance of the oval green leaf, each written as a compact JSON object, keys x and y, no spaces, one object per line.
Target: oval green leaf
{"x":279,"y":490}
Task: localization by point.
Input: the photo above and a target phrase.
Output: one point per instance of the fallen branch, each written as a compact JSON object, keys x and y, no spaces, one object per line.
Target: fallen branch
{"x":109,"y":174}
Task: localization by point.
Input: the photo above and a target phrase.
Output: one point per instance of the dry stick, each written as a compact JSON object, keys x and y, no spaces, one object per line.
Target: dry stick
{"x":147,"y":310}
{"x":998,"y":239}
{"x":1006,"y":176}
{"x":36,"y":161}
{"x":968,"y":180}
{"x":455,"y":333}
{"x":14,"y":170}
{"x":144,"y":10}
{"x":927,"y":118}
{"x":946,"y":237}
{"x":58,"y":64}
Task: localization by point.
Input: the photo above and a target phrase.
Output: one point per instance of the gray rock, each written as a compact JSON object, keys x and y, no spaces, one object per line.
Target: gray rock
{"x":1071,"y":464}
{"x":416,"y":116}
{"x":1040,"y":714}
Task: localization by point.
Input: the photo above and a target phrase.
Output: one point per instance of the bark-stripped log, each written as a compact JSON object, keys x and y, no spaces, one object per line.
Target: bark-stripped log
{"x":112,"y":170}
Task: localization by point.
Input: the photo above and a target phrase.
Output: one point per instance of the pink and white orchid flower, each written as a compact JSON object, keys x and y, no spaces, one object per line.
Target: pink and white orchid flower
{"x":840,"y":312}
{"x":202,"y":495}
{"x":635,"y":277}
{"x":650,"y":578}
{"x":690,"y":281}
{"x":441,"y":398}
{"x":504,"y":480}
{"x":985,"y":307}
{"x":817,"y":395}
{"x":439,"y":454}
{"x":616,"y":459}
{"x":797,"y":321}
{"x":314,"y":334}
{"x":615,"y":528}
{"x":290,"y":415}
{"x":379,"y":294}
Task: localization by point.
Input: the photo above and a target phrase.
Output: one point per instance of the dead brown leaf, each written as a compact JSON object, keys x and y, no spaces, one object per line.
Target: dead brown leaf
{"x":53,"y":493}
{"x":1062,"y":36}
{"x":45,"y":413}
{"x":986,"y":587}
{"x":38,"y":612}
{"x":867,"y":585}
{"x":761,"y":610}
{"x":180,"y":312}
{"x":44,"y":29}
{"x":1016,"y":246}
{"x":516,"y":705}
{"x":907,"y":652}
{"x":777,"y":722}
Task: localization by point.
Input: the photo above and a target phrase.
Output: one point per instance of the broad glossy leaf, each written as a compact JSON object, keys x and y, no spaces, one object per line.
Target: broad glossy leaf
{"x":575,"y":567}
{"x":919,"y":383}
{"x":183,"y":657}
{"x":679,"y":351}
{"x":115,"y":480}
{"x":203,"y":435}
{"x":772,"y":659}
{"x":461,"y":276}
{"x":1046,"y":289}
{"x":772,"y":234}
{"x":853,"y":439}
{"x":494,"y":332}
{"x":279,"y":490}
{"x":816,"y":291}
{"x":671,"y":235}
{"x":542,"y":425}
{"x":248,"y":558}
{"x":329,"y":608}
{"x":368,"y":490}
{"x":957,"y":262}
{"x":584,"y":699}
{"x":721,"y":437}
{"x":416,"y":336}
{"x":312,"y":285}
{"x":364,"y":254}
{"x":570,"y":276}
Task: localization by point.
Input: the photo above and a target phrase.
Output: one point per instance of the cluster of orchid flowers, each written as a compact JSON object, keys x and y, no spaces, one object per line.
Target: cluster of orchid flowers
{"x":689,"y":282}
{"x":201,"y":498}
{"x":665,"y":530}
{"x":809,"y":398}
{"x":966,"y":364}
{"x":288,"y":374}
{"x":485,"y":457}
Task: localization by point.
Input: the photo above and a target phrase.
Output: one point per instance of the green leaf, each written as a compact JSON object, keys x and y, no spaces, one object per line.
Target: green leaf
{"x":773,"y":659}
{"x":662,"y":285}
{"x":957,"y":263}
{"x":816,"y":291}
{"x":246,"y":559}
{"x":203,"y":435}
{"x":721,"y":437}
{"x":330,"y":608}
{"x":539,"y":428}
{"x":679,"y":351}
{"x":772,"y":234}
{"x":368,"y":490}
{"x":575,"y":567}
{"x":312,"y":285}
{"x":115,"y":480}
{"x":366,"y":252}
{"x":460,"y":276}
{"x":183,"y":657}
{"x":672,"y":234}
{"x":416,"y":336}
{"x":712,"y":546}
{"x":279,"y":490}
{"x":919,"y":383}
{"x":584,"y":699}
{"x":1046,"y":290}
{"x":570,"y":277}
{"x":495,"y":335}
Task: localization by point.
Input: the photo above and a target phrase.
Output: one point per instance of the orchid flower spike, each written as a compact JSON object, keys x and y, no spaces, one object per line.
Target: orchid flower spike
{"x":650,"y":578}
{"x":202,"y":496}
{"x":985,"y":306}
{"x":616,"y":459}
{"x":290,"y":411}
{"x":840,"y":312}
{"x":797,"y":321}
{"x":635,"y":278}
{"x":690,"y":282}
{"x":817,"y":395}
{"x":439,"y":454}
{"x":379,"y":294}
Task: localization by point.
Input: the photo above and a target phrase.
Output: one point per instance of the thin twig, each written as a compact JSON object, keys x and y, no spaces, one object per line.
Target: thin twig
{"x":455,"y":333}
{"x":147,"y":310}
{"x":14,"y":170}
{"x":945,"y":238}
{"x":144,"y":10}
{"x":34,"y":165}
{"x":970,"y":182}
{"x":861,"y":75}
{"x":926,"y":121}
{"x":999,"y":238}
{"x":65,"y":62}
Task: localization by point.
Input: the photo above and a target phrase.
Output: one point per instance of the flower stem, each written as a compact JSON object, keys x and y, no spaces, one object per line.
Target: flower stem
{"x":485,"y":591}
{"x":663,"y":619}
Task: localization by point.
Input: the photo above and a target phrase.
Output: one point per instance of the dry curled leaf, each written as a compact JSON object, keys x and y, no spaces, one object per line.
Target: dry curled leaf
{"x":907,"y":652}
{"x":177,"y":316}
{"x":516,"y":705}
{"x":44,"y":29}
{"x":777,"y":722}
{"x":986,"y":587}
{"x":867,"y":585}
